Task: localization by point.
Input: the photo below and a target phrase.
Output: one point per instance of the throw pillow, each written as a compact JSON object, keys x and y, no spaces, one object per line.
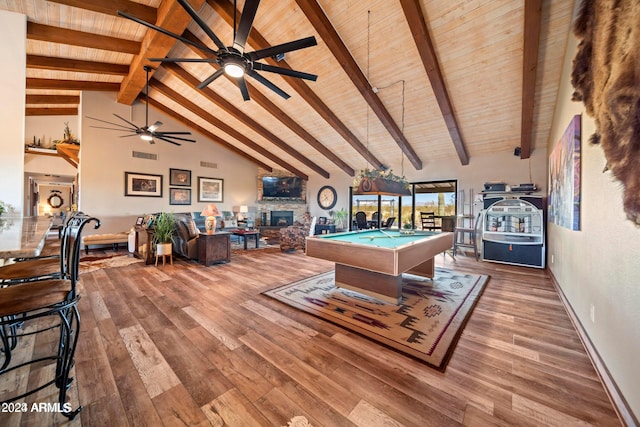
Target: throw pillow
{"x":193,"y":228}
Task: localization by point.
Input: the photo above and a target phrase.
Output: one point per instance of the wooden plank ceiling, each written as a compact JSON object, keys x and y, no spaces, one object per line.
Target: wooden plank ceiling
{"x":401,"y":84}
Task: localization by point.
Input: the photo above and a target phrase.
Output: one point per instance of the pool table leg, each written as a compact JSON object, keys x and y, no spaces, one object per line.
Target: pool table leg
{"x":426,"y":269}
{"x":378,"y":285}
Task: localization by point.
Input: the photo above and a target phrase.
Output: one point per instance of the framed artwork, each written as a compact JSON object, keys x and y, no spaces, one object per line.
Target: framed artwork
{"x":210,"y":189}
{"x":140,"y":221}
{"x":180,"y":177}
{"x":179,"y":196}
{"x":142,"y":184}
{"x":564,"y":178}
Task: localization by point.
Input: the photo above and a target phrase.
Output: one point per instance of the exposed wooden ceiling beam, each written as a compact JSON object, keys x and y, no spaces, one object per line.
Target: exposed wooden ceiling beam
{"x":532,"y":23}
{"x":69,"y":152}
{"x":420,"y":32}
{"x":225,"y":105}
{"x":51,"y":112}
{"x":172,"y":17}
{"x":323,"y":26}
{"x":66,"y":64}
{"x":225,"y":10}
{"x":53,"y":99}
{"x":33,"y":83}
{"x":111,"y":7}
{"x":185,"y":103}
{"x":52,"y":34}
{"x":203,"y":131}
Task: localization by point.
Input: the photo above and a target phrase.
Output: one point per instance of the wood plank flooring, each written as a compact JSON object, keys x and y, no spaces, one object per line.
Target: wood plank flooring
{"x":199,"y":346}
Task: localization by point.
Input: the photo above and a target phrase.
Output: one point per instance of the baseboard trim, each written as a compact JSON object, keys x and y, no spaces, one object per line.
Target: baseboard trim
{"x":625,"y":414}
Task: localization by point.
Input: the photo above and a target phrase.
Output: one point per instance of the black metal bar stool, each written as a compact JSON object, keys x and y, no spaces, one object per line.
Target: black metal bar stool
{"x":46,"y":305}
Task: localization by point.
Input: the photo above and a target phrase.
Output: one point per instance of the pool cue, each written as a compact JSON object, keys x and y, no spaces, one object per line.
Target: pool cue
{"x":387,"y":234}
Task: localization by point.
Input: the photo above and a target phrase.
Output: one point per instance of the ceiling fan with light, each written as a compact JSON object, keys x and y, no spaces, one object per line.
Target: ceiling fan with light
{"x":146,"y":133}
{"x":233,"y":60}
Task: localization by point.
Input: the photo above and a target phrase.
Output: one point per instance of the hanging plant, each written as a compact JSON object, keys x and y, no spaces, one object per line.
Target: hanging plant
{"x":372,"y":181}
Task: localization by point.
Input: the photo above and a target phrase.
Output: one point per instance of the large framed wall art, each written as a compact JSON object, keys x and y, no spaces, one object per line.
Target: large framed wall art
{"x":564,"y":178}
{"x":142,"y":184}
{"x":210,"y":189}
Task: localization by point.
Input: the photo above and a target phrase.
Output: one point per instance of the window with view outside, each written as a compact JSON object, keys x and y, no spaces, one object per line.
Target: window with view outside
{"x":368,"y":204}
{"x":442,"y":204}
{"x":433,"y":196}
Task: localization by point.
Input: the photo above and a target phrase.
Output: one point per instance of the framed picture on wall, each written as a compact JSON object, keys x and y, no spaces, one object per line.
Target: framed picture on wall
{"x":180,"y":177}
{"x":210,"y":189}
{"x":142,"y":184}
{"x":179,"y":196}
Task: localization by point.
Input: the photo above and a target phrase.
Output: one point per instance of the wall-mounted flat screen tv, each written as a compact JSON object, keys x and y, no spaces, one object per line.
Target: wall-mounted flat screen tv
{"x":273,"y":186}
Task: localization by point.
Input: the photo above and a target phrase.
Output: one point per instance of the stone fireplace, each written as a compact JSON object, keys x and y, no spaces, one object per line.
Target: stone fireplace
{"x":281,"y":218}
{"x":268,"y":209}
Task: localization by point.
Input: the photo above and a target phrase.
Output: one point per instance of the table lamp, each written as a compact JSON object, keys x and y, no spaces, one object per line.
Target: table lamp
{"x":210,"y":212}
{"x":243,"y":210}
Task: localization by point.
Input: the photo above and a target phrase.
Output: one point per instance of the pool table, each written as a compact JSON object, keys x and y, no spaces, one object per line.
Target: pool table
{"x":372,"y":261}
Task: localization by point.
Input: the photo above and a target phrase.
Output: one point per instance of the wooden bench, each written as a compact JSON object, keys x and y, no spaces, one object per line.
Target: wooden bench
{"x":113,"y":239}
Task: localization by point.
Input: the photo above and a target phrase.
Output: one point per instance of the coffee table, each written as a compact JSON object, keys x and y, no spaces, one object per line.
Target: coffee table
{"x":245,"y":234}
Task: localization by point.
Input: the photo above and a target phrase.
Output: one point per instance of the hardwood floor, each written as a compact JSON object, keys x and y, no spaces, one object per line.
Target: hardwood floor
{"x":194,"y":345}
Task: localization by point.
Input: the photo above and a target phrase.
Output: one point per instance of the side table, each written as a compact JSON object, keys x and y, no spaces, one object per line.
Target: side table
{"x":325,"y":228}
{"x":245,"y":234}
{"x":214,"y":248}
{"x":147,"y":252}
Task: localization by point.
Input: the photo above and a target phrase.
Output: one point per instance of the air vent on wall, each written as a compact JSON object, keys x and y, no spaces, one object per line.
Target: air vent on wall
{"x":209,"y":165}
{"x":141,"y":155}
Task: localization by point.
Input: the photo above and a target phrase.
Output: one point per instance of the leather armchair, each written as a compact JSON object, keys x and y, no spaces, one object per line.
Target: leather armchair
{"x":186,"y":237}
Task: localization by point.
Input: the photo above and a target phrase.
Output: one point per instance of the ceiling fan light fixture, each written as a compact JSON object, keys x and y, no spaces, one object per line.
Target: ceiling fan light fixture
{"x":146,"y":137}
{"x":234,"y":68}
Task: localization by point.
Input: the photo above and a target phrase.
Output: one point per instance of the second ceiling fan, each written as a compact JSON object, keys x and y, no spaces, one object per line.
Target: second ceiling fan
{"x":146,"y":132}
{"x":233,"y":60}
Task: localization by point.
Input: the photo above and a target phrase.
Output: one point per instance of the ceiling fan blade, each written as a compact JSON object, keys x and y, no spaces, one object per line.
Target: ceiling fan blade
{"x":154,"y":126}
{"x":268,"y":84}
{"x":284,"y":71}
{"x":166,"y":140}
{"x":211,"y":78}
{"x":283,"y":48}
{"x":125,"y":120}
{"x":211,"y":60}
{"x":111,"y":123}
{"x":192,"y":12}
{"x":120,"y":130}
{"x":164,"y":135}
{"x":174,"y":133}
{"x":168,"y":33}
{"x":128,"y":136}
{"x":244,"y":90}
{"x":246,"y":22}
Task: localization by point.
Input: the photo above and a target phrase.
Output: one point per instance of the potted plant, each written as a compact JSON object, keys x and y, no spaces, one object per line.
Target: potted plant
{"x":164,"y":230}
{"x":340,"y":218}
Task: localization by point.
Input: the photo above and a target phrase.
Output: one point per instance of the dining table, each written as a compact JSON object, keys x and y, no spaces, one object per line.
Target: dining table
{"x":23,"y":236}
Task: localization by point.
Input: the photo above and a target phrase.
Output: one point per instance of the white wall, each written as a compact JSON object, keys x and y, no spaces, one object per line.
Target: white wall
{"x":13,"y":28}
{"x":105,"y":156}
{"x":598,"y":266}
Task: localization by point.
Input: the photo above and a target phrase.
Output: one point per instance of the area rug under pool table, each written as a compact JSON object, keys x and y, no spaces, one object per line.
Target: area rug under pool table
{"x":426,"y":325}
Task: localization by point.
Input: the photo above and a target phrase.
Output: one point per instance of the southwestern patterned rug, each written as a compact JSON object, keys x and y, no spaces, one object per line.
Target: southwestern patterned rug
{"x":426,"y":325}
